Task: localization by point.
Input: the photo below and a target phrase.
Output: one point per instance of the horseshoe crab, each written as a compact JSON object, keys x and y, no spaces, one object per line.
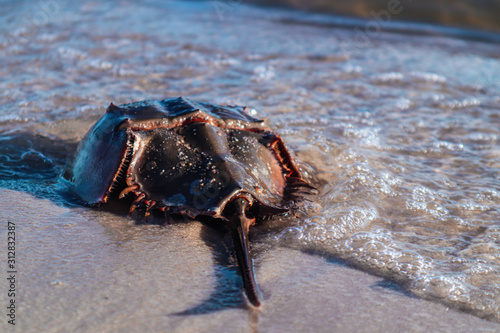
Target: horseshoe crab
{"x":192,"y":159}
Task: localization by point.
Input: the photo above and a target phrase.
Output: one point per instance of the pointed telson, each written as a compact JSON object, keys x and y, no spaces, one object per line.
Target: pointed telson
{"x":239,"y":225}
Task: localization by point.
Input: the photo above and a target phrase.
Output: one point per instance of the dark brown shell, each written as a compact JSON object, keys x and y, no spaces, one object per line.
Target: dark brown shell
{"x":184,"y":156}
{"x":190,"y":158}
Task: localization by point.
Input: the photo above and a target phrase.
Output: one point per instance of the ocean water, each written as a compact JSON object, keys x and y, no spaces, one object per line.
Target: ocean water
{"x":399,"y":132}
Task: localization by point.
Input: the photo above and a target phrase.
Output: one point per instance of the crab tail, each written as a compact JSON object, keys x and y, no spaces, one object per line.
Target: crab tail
{"x":239,"y":225}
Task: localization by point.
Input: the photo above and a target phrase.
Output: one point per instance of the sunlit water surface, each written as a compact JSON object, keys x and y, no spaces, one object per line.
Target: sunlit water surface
{"x":400,"y":133}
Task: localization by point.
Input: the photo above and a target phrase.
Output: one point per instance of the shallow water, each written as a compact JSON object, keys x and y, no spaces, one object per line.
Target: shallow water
{"x":399,"y":132}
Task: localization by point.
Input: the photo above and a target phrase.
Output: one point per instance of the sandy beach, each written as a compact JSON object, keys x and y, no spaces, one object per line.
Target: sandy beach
{"x":81,"y":270}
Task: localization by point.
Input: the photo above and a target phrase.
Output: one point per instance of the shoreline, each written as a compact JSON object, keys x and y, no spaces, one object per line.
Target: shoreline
{"x":88,"y":270}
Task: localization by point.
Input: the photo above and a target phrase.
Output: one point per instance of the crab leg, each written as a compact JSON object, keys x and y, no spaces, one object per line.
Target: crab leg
{"x":239,"y":225}
{"x":137,"y":200}
{"x":149,"y":205}
{"x":127,"y":190}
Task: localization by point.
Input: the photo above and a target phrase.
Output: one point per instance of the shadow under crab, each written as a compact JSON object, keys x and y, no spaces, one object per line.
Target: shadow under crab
{"x":191,"y":159}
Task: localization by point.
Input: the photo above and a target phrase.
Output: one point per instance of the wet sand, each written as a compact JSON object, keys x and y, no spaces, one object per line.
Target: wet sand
{"x":84,"y":270}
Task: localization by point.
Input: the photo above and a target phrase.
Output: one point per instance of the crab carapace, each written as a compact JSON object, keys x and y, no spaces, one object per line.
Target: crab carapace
{"x":191,"y":159}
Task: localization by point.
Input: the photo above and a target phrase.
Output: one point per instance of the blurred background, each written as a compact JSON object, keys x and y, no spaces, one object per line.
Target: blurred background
{"x":480,"y":14}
